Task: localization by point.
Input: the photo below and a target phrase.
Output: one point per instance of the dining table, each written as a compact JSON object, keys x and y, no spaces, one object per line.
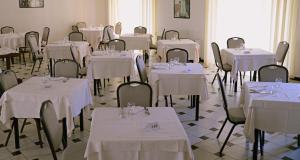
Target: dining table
{"x":270,"y":107}
{"x":179,"y":79}
{"x":246,"y":59}
{"x":68,"y":95}
{"x":137,"y":135}
{"x":137,"y":41}
{"x":93,"y":35}
{"x":190,"y":46}
{"x":12,"y":40}
{"x":8,"y":54}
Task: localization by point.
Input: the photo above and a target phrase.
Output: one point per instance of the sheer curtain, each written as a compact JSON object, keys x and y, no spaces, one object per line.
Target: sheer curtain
{"x":263,"y":24}
{"x":132,"y":13}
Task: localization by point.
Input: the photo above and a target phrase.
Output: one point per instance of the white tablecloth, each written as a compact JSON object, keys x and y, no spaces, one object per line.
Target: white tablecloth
{"x":93,"y":35}
{"x":192,"y":47}
{"x":137,"y":41}
{"x":113,"y":138}
{"x":181,"y":79}
{"x":4,"y":51}
{"x":246,"y":59}
{"x":25,"y":100}
{"x":110,"y":65}
{"x":276,"y":112}
{"x":13,"y":41}
{"x":61,"y":50}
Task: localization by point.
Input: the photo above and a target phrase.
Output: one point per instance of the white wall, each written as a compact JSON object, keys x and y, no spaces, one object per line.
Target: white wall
{"x":297,"y":56}
{"x":193,"y":28}
{"x":59,"y":15}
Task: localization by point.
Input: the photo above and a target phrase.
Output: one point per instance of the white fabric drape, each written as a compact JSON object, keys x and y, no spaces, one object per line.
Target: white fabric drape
{"x":141,"y":13}
{"x":273,"y":21}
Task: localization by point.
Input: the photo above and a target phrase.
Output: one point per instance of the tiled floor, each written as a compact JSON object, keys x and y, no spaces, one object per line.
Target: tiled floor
{"x":202,"y":134}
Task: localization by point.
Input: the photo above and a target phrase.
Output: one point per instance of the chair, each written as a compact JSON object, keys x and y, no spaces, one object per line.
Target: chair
{"x":7,"y":29}
{"x":76,"y":36}
{"x":66,"y":68}
{"x":26,"y":48}
{"x":81,"y":25}
{"x":218,"y":61}
{"x":54,"y":134}
{"x":36,"y":54}
{"x":182,"y":54}
{"x":118,"y":28}
{"x":45,"y":37}
{"x":140,"y":64}
{"x":235,"y":115}
{"x":140,"y":94}
{"x":106,"y":37}
{"x":171,"y":34}
{"x":140,"y":30}
{"x":117,"y":44}
{"x":75,"y":28}
{"x":82,"y":69}
{"x":281,"y":52}
{"x":235,"y":42}
{"x":270,"y":73}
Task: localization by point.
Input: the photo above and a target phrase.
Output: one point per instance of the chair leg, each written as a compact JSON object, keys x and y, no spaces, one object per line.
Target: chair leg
{"x":222,"y":128}
{"x":23,"y":125}
{"x":9,"y":134}
{"x":166,"y":101}
{"x":171,"y":101}
{"x":33,"y":66}
{"x":227,"y":138}
{"x":225,"y":78}
{"x":262,"y":142}
{"x":39,"y":128}
{"x":23,"y":55}
{"x":215,"y":77}
{"x":41,"y":60}
{"x":241,"y":79}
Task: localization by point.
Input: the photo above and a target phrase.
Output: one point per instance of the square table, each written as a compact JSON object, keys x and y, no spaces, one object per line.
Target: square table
{"x":12,"y":40}
{"x":248,"y":59}
{"x":180,"y":79}
{"x":192,"y":48}
{"x":271,"y":106}
{"x":93,"y":35}
{"x":115,"y":138}
{"x":137,"y":41}
{"x":24,"y":100}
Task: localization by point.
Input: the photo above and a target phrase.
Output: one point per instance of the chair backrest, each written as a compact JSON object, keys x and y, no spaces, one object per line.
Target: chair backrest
{"x":270,"y":73}
{"x":45,"y":36}
{"x":107,"y":33}
{"x":75,"y":36}
{"x":66,"y":68}
{"x":235,"y":42}
{"x":217,"y":55}
{"x":140,"y":64}
{"x":118,"y":28}
{"x":281,"y":51}
{"x":28,"y":34}
{"x":74,"y":52}
{"x":33,"y":45}
{"x":7,"y":29}
{"x":162,"y":35}
{"x":51,"y":126}
{"x":75,"y":28}
{"x":182,"y":54}
{"x":171,"y":34}
{"x":225,"y":105}
{"x":8,"y":79}
{"x":118,"y":44}
{"x":81,"y":25}
{"x":140,"y":30}
{"x":138,"y":93}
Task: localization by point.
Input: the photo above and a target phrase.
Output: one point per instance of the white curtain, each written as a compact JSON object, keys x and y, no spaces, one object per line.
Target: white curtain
{"x":132,"y":13}
{"x":262,"y":23}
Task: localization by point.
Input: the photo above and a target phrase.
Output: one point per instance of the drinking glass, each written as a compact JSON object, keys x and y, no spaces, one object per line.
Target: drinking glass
{"x":278,"y":81}
{"x":131,"y":108}
{"x":176,"y":60}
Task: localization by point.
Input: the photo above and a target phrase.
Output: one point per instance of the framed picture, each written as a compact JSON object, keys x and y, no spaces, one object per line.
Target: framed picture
{"x":182,"y":9}
{"x":31,"y":3}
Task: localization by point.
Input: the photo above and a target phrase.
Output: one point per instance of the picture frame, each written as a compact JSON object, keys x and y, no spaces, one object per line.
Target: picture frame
{"x":31,"y":3}
{"x":182,"y":9}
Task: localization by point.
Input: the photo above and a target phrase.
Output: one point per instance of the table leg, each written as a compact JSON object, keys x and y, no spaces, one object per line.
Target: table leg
{"x":197,"y":107}
{"x":255,"y":145}
{"x":16,"y":128}
{"x":235,"y":82}
{"x":50,"y":67}
{"x":65,"y":136}
{"x":254,"y":76}
{"x":8,"y":63}
{"x":128,"y":78}
{"x":81,"y":120}
{"x":95,"y":87}
{"x":298,"y":138}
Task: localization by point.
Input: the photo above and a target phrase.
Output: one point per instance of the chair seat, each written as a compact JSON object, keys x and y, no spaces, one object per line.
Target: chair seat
{"x":227,"y":67}
{"x":24,"y":49}
{"x":236,"y":115}
{"x":74,"y":151}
